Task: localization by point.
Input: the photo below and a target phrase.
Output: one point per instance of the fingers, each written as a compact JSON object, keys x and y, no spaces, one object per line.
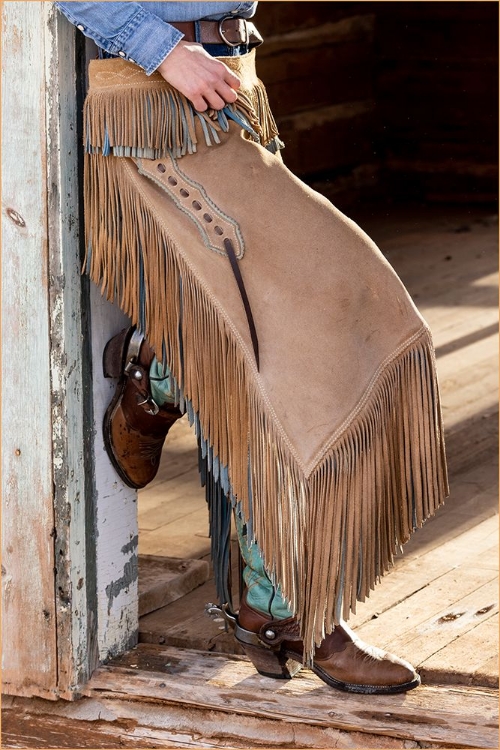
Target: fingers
{"x":220,"y":86}
{"x":205,"y":81}
{"x":198,"y":103}
{"x":207,"y":97}
{"x":227,"y":93}
{"x":214,"y":100}
{"x":215,"y":93}
{"x":231,"y":79}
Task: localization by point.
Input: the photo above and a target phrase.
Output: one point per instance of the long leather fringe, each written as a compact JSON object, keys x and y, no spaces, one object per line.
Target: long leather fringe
{"x":219,"y":519}
{"x":328,"y":537}
{"x":152,"y":119}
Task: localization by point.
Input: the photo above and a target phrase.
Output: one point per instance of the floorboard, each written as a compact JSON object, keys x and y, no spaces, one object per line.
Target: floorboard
{"x":447,"y":716}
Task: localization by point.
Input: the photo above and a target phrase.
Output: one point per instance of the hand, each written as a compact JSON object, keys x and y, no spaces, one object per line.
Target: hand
{"x":205,"y":81}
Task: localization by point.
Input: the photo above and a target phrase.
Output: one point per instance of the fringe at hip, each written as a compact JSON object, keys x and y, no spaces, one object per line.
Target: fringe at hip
{"x":127,"y":113}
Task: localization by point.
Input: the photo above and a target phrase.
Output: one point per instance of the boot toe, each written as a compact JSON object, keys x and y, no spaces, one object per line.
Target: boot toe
{"x":342,"y":660}
{"x":134,"y":453}
{"x":360,"y":668}
{"x":402,"y":671}
{"x":396,"y":672}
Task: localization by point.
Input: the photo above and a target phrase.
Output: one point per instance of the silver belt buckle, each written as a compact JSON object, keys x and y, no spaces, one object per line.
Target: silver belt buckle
{"x":226,"y":41}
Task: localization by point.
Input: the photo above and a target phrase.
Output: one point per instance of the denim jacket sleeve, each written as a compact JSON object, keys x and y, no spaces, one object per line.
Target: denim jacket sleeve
{"x":126,"y":29}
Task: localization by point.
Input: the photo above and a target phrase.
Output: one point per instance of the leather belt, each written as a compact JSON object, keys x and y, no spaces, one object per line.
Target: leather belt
{"x":229,"y":30}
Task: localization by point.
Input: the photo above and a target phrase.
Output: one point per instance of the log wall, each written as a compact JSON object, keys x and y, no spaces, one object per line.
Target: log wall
{"x":388,"y":100}
{"x":317,"y":63}
{"x":437,"y":97}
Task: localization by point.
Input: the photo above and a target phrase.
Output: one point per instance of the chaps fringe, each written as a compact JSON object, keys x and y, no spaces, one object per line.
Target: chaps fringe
{"x":327,"y":538}
{"x":149,"y":118}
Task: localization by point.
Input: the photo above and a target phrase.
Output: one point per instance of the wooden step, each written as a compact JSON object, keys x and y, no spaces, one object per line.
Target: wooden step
{"x":163,"y":580}
{"x":236,"y":696}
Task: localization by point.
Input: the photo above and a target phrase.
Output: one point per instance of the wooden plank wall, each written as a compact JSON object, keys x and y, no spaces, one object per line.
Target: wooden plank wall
{"x":316,"y":63}
{"x":385,"y":100}
{"x":48,"y":622}
{"x":29,"y":659}
{"x":69,"y":527}
{"x":437,"y":99}
{"x":68,"y":298}
{"x":116,"y":506}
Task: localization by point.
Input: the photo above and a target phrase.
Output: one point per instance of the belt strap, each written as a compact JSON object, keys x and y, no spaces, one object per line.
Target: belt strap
{"x":229,"y":30}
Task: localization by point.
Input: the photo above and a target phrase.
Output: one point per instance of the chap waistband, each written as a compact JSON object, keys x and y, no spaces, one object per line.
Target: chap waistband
{"x":118,"y":73}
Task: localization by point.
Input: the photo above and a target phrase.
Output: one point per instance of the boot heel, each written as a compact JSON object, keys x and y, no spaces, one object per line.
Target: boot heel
{"x":271,"y":663}
{"x":114,"y":354}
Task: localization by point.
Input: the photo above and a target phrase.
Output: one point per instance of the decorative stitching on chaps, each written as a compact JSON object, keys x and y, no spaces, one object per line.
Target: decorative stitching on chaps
{"x":214,"y":225}
{"x":191,"y":198}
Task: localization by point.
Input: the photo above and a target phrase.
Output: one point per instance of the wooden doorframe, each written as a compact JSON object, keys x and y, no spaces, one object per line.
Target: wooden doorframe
{"x":69,"y":525}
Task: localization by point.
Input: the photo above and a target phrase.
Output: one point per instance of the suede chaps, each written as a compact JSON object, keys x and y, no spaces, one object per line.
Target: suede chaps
{"x":296,"y":351}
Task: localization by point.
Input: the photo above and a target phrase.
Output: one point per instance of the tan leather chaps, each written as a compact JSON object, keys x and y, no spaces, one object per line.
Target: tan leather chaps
{"x":296,"y":350}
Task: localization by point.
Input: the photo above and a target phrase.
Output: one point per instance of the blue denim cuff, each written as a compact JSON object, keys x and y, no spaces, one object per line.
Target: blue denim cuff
{"x":146,"y":40}
{"x":129,"y":31}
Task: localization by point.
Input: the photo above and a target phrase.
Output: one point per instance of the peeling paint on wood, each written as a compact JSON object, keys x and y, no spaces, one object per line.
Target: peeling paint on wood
{"x":116,"y":507}
{"x":66,"y":299}
{"x":131,"y":546}
{"x":115,"y":504}
{"x":99,"y":723}
{"x":451,"y":716}
{"x":130,"y":575}
{"x":58,"y":482}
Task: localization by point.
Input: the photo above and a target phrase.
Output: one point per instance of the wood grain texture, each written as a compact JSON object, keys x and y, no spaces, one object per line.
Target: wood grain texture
{"x":456,"y":717}
{"x":50,"y":624}
{"x":185,"y":623}
{"x":114,"y":504}
{"x":325,"y":53}
{"x":29,"y":616}
{"x":67,"y":299}
{"x":111,"y":722}
{"x":431,"y":71}
{"x":437,"y":94}
{"x":469,"y":653}
{"x":163,"y":580}
{"x":328,"y":138}
{"x":317,"y":63}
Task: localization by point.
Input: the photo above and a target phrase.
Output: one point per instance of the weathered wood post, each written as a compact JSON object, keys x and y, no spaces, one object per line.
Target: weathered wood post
{"x":69,"y":525}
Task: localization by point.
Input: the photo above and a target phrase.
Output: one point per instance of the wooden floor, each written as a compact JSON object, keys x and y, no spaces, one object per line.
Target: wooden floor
{"x":438,"y":607}
{"x":158,"y":696}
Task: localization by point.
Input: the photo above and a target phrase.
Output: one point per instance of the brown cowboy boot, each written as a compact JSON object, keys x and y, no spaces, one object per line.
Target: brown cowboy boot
{"x":134,"y":426}
{"x":342,"y":660}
